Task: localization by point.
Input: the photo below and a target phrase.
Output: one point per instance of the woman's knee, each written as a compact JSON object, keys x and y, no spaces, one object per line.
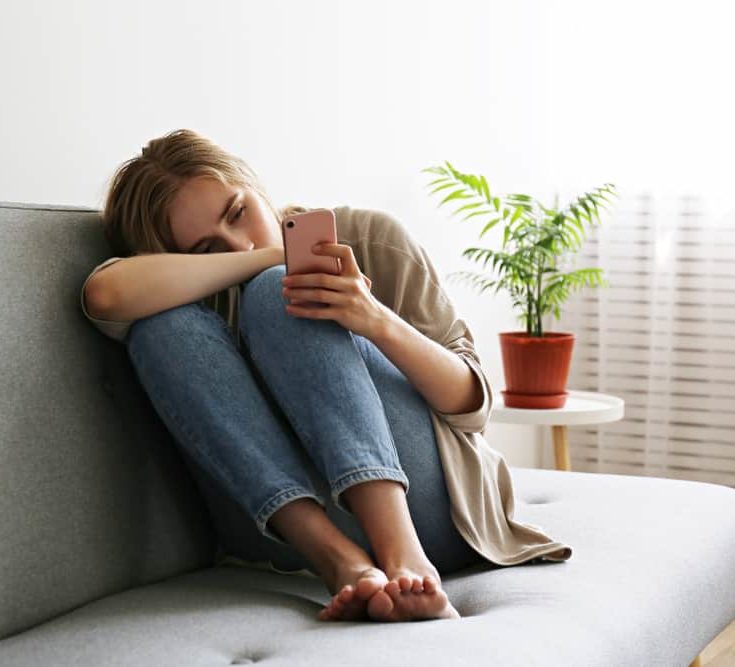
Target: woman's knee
{"x":174,"y":326}
{"x":262,"y":296}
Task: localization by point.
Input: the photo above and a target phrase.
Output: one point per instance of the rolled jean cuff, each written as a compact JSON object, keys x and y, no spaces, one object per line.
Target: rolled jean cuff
{"x":365,"y":475}
{"x":278,"y":501}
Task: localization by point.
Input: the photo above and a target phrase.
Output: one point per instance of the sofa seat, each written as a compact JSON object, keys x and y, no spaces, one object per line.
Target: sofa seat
{"x":651,"y":582}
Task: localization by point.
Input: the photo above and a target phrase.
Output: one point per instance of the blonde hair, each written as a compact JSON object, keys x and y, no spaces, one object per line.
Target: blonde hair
{"x":135,"y":216}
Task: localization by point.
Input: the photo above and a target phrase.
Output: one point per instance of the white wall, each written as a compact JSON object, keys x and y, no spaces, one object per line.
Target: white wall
{"x":639,"y":92}
{"x":344,"y":103}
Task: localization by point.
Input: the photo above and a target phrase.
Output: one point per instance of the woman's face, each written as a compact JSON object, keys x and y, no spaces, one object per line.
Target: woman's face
{"x":208,"y":216}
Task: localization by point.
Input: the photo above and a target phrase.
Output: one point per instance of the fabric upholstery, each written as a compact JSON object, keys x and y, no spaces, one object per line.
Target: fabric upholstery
{"x":652,"y":582}
{"x":94,"y":497}
{"x":106,"y":548}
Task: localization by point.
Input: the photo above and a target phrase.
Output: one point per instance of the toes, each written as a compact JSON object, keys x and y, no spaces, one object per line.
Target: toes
{"x":348,"y":604}
{"x":367,"y":587}
{"x":380,"y":606}
{"x":393,"y":589}
{"x":345,"y":595}
{"x":405,"y":584}
{"x":336,"y":605}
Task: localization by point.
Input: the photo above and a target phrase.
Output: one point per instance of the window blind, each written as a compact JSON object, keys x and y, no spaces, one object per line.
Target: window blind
{"x":661,"y":336}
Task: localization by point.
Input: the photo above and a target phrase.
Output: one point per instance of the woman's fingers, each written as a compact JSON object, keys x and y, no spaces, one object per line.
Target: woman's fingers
{"x":307,"y":294}
{"x":345,"y":254}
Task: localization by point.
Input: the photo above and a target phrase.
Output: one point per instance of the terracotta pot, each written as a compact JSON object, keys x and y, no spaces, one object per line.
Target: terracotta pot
{"x":536,"y":369}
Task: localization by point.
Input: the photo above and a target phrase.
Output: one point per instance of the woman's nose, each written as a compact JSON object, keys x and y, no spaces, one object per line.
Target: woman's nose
{"x":236,"y":242}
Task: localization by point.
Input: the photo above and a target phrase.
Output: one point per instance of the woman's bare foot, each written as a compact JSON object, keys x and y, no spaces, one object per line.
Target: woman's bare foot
{"x":411,"y":594}
{"x":353,"y":590}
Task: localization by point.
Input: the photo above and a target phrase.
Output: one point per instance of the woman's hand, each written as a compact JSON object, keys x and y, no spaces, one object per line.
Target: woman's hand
{"x":347,"y":295}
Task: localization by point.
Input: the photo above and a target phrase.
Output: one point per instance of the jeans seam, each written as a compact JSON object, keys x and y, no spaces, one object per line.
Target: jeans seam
{"x":364,"y":474}
{"x":257,"y":362}
{"x":296,"y":423}
{"x":375,"y":390}
{"x":356,"y":471}
{"x":285,"y":406}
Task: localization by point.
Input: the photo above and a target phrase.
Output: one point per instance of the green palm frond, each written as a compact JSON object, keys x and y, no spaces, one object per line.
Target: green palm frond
{"x":534,"y":238}
{"x":477,"y":280}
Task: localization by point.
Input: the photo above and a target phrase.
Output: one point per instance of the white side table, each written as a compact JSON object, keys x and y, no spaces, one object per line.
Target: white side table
{"x":582,"y":407}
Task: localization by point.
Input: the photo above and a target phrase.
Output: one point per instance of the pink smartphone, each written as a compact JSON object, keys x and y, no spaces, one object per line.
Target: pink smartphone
{"x":300,"y":232}
{"x":303,"y":230}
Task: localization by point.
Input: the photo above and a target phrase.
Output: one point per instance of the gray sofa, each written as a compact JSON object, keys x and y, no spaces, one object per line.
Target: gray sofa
{"x":107,"y":550}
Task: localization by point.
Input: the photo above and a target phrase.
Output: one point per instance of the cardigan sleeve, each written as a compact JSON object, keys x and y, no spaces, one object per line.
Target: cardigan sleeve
{"x":476,"y":420}
{"x":113,"y":329}
{"x":407,"y":282}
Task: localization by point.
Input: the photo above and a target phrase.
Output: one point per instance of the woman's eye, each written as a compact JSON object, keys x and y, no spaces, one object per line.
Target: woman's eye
{"x":208,"y":248}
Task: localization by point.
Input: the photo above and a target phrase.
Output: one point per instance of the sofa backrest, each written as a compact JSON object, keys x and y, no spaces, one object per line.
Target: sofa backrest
{"x":95,"y":497}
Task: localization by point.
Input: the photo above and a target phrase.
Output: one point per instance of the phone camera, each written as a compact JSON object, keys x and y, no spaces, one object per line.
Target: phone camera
{"x":290,"y":224}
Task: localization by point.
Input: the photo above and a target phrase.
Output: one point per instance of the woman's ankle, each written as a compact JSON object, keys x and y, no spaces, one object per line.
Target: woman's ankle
{"x":304,"y":524}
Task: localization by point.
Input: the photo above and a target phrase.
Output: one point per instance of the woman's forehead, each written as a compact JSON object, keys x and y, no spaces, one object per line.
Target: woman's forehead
{"x":204,"y":189}
{"x":198,"y":205}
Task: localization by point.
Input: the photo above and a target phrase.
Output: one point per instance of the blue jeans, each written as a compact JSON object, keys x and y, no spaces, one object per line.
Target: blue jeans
{"x":307,"y":411}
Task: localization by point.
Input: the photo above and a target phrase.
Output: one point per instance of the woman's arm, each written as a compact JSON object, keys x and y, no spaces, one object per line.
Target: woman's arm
{"x":447,"y":383}
{"x":139,"y":286}
{"x":440,"y":376}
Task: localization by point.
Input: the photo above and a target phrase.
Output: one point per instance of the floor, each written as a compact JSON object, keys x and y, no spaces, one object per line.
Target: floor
{"x":720,"y":652}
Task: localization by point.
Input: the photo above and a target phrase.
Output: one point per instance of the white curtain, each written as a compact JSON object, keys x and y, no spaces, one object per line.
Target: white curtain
{"x":661,"y":336}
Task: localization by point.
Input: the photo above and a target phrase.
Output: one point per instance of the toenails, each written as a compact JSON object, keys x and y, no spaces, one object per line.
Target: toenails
{"x":405,"y":584}
{"x":392,"y":588}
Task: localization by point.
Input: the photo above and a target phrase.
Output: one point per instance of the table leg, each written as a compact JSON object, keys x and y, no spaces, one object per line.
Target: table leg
{"x":561,"y":447}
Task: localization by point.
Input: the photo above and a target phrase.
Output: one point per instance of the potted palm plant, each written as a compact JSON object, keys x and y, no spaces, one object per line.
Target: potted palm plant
{"x":535,"y":239}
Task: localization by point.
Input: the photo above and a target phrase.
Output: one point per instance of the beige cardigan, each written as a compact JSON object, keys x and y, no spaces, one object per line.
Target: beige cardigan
{"x":477,"y":477}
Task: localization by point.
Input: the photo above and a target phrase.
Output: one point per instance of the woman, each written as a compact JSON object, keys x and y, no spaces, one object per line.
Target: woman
{"x":306,"y":427}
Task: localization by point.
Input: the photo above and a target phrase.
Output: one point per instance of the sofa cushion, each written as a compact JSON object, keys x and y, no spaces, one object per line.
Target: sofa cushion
{"x":652,"y":582}
{"x":95,"y":497}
